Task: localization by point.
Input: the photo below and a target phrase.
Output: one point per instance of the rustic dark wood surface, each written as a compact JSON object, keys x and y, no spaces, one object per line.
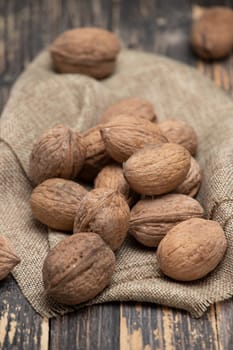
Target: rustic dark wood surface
{"x":156,"y":26}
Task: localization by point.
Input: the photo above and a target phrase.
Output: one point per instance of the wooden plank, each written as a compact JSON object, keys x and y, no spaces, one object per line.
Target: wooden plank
{"x":92,"y":328}
{"x":154,"y":327}
{"x":224,"y":312}
{"x":20,"y":326}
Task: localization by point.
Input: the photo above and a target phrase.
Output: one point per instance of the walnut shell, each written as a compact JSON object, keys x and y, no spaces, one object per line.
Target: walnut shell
{"x":8,"y":257}
{"x":192,"y":182}
{"x":191,"y":249}
{"x":124,"y":135}
{"x":157,"y":169}
{"x":180,"y":132}
{"x":78,"y":268}
{"x":105,"y":212}
{"x":89,"y":51}
{"x":151,"y":219}
{"x":112,"y":177}
{"x":212,"y":33}
{"x":96,"y":154}
{"x":134,"y":106}
{"x":59,"y":152}
{"x":55,"y":202}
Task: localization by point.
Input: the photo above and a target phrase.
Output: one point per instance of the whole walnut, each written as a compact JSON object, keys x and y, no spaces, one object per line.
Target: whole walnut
{"x":180,"y":132}
{"x":55,"y":202}
{"x":8,"y":257}
{"x":157,"y":169}
{"x":124,"y":135}
{"x":106,"y":213}
{"x":90,"y":51}
{"x":96,"y":154}
{"x":112,"y":177}
{"x":192,"y":182}
{"x":59,"y":152}
{"x":212,"y":33}
{"x":191,"y":249}
{"x":134,"y":106}
{"x":78,"y":268}
{"x":151,"y":219}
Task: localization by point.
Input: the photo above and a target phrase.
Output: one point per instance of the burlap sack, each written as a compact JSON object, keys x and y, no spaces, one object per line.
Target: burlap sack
{"x":41,"y":99}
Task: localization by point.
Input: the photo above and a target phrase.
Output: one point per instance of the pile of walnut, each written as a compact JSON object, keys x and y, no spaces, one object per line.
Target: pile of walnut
{"x":135,"y":162}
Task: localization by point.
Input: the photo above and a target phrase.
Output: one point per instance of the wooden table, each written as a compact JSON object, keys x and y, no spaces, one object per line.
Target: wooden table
{"x":157,"y":26}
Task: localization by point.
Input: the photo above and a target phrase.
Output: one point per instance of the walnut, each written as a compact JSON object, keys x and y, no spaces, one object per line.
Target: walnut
{"x":8,"y":257}
{"x":78,"y":268}
{"x":151,"y":219}
{"x":133,"y":106}
{"x":124,"y":135}
{"x":105,"y":212}
{"x":59,"y":152}
{"x":191,"y":249}
{"x":180,"y":132}
{"x":112,"y":177}
{"x":89,"y":51}
{"x":55,"y":202}
{"x":157,"y":169}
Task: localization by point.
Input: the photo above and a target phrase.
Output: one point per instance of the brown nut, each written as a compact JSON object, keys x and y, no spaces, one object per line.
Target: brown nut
{"x":8,"y":257}
{"x":192,"y":182}
{"x":212,"y":33}
{"x":180,"y":132}
{"x":96,"y":154}
{"x":59,"y":152}
{"x":55,"y":202}
{"x":151,"y":219}
{"x":134,"y":106}
{"x":105,"y":212}
{"x":78,"y":268}
{"x":158,"y":169}
{"x":124,"y":135}
{"x":112,"y":177}
{"x":89,"y":51}
{"x":191,"y":249}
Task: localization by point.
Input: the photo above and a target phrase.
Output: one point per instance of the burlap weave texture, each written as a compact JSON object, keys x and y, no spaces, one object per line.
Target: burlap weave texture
{"x":42,"y":99}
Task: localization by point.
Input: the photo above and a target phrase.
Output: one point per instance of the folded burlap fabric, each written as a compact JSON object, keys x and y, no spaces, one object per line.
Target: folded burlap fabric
{"x":41,"y":99}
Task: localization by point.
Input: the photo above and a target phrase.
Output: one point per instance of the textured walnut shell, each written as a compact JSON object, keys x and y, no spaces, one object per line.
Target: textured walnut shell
{"x":96,"y":154}
{"x":180,"y":132}
{"x":8,"y":257}
{"x":55,"y":202}
{"x":192,"y":182}
{"x":191,"y":249}
{"x":89,"y":51}
{"x":151,"y":219}
{"x":78,"y":268}
{"x":112,"y":177}
{"x":212,"y":33}
{"x":134,"y":106}
{"x":104,"y":212}
{"x":124,"y":135}
{"x":59,"y":152}
{"x":158,"y":169}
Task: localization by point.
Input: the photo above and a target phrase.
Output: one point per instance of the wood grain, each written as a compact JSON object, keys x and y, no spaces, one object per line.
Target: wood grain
{"x":20,"y":326}
{"x":92,"y":328}
{"x":163,"y":27}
